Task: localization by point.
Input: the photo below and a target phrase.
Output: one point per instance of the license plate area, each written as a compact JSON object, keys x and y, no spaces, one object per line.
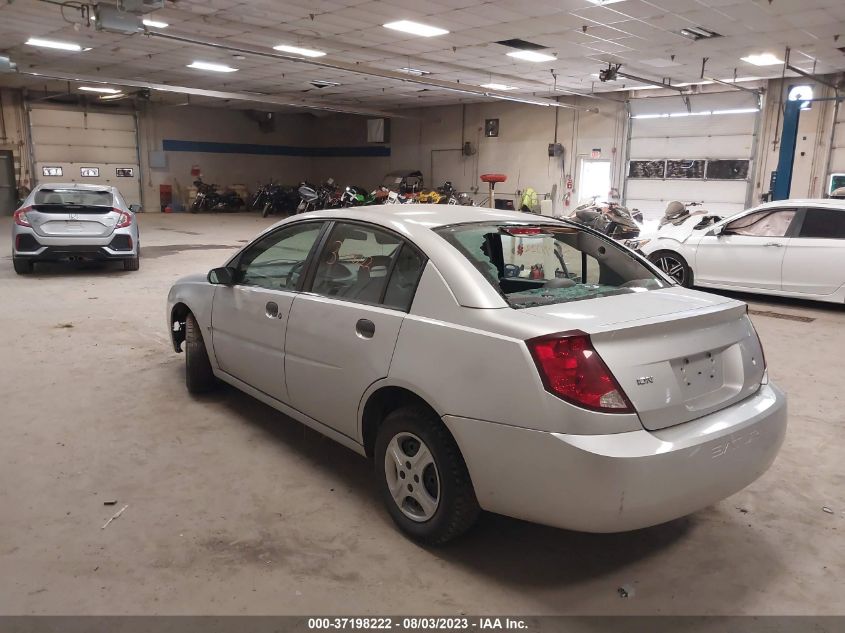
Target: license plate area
{"x":699,"y":374}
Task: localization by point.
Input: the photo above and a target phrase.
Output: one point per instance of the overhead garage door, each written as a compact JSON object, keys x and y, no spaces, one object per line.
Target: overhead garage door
{"x":88,"y":147}
{"x":837,"y":152}
{"x":698,"y":154}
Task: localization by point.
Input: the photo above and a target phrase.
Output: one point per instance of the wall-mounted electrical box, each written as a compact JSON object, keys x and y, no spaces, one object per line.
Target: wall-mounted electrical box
{"x":555,"y":150}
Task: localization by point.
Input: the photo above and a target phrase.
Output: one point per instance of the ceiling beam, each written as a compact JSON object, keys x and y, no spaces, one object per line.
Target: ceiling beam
{"x":215,"y":94}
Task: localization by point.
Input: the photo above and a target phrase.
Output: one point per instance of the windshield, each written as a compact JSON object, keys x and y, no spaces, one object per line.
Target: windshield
{"x":76,"y":197}
{"x":540,"y":265}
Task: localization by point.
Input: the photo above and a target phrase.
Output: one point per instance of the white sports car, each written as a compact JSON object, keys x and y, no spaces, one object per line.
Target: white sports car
{"x":793,"y":248}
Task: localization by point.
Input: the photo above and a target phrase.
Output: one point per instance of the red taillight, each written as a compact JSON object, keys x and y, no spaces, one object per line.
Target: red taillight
{"x":124,"y":220}
{"x":20,"y":216}
{"x":572,"y":370}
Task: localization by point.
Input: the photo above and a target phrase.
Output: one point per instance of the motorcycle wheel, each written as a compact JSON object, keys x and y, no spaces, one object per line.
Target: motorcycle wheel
{"x":266,"y":210}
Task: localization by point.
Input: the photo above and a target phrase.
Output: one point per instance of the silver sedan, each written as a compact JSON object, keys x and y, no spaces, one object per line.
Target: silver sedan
{"x":490,"y":360}
{"x":60,"y":222}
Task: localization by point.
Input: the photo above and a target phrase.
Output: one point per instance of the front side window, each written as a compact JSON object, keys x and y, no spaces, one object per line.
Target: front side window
{"x":355,"y":263}
{"x":277,"y":260}
{"x":548,"y":264}
{"x":824,"y":224}
{"x":762,"y":224}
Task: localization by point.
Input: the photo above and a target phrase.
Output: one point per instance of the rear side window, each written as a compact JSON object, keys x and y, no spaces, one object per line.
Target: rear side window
{"x":824,"y":223}
{"x":404,"y":279}
{"x":73,"y":197}
{"x":536,"y":265}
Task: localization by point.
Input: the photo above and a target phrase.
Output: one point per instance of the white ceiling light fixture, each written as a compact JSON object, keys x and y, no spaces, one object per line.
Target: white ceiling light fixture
{"x":61,"y":46}
{"x":155,"y":24}
{"x":298,"y":50}
{"x":217,"y":68}
{"x":762,"y":59}
{"x":101,"y":89}
{"x":603,"y":2}
{"x":416,"y":72}
{"x":117,"y":95}
{"x":532,"y":56}
{"x":502,"y":87}
{"x":415,"y":28}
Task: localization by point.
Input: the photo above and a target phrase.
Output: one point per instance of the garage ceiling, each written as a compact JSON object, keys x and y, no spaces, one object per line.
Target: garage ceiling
{"x":643,"y":35}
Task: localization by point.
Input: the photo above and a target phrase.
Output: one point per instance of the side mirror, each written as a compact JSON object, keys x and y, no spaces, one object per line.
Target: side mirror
{"x":134,"y":208}
{"x":716,"y":231}
{"x":224,"y":276}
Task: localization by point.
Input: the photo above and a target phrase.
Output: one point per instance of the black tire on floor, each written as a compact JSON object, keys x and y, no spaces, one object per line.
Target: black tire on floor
{"x":22,"y":266}
{"x":457,"y":507}
{"x":266,"y":210}
{"x":673,"y":265}
{"x":199,"y":378}
{"x":132,"y":263}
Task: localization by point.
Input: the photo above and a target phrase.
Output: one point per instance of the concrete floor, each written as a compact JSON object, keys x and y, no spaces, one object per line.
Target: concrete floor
{"x":234,"y":508}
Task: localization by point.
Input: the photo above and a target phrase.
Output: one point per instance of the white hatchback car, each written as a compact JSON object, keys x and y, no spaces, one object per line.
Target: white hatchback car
{"x":793,"y":248}
{"x":489,"y":359}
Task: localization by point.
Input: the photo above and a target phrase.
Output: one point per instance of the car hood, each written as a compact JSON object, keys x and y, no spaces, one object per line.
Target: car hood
{"x":192,"y":279}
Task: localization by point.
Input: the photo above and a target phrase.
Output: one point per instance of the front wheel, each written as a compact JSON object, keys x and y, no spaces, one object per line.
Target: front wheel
{"x":199,"y":378}
{"x":673,"y":265}
{"x":266,"y":211}
{"x":422,"y":476}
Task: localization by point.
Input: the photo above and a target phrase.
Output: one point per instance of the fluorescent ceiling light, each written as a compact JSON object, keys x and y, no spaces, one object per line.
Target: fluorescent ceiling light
{"x":413,"y":71}
{"x":62,"y":46}
{"x":763,"y":59}
{"x":155,"y":24}
{"x":218,"y":68}
{"x":117,"y":95}
{"x":519,"y":100}
{"x":298,"y":50}
{"x":498,"y":86}
{"x":103,"y":89}
{"x":603,"y":2}
{"x":415,"y":28}
{"x":532,"y":56}
{"x":737,"y":111}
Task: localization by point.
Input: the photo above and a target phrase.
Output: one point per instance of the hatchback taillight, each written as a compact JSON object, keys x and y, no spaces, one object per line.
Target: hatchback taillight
{"x":20,"y":216}
{"x":124,"y":220}
{"x":572,"y":370}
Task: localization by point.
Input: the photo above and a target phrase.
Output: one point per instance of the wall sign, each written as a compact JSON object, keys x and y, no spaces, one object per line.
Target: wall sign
{"x":596,"y":152}
{"x":52,"y":171}
{"x":491,"y":128}
{"x":124,"y":172}
{"x":89,"y":172}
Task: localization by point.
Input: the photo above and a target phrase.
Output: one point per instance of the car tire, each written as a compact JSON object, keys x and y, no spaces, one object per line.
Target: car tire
{"x":22,"y":266}
{"x":673,"y":265}
{"x":199,"y":378}
{"x":445,"y":480}
{"x":132,"y":263}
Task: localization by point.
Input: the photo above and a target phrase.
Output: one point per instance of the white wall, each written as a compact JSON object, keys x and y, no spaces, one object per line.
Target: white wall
{"x":430,"y":140}
{"x":13,"y":134}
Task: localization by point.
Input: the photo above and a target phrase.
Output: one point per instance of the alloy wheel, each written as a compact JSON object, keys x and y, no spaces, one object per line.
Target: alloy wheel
{"x":412,"y":476}
{"x":673,"y":267}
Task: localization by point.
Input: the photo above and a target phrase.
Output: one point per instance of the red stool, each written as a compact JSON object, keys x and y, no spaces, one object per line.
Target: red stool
{"x":491,"y":180}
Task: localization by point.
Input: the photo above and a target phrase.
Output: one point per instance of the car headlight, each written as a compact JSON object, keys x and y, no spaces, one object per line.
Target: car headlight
{"x":636,"y":244}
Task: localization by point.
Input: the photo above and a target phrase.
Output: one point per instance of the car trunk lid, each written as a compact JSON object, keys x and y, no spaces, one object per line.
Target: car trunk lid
{"x":72,"y":220}
{"x":677,"y":354}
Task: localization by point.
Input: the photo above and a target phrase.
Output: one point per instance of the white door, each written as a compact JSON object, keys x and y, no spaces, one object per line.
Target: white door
{"x":747,"y":253}
{"x":249,"y":318}
{"x":89,"y":147}
{"x":593,"y":180}
{"x":815,"y":258}
{"x":341,"y":335}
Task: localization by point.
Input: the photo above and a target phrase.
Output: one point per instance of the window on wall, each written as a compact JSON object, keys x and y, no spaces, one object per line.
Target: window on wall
{"x":688,"y":169}
{"x":727,"y":169}
{"x":647,"y":169}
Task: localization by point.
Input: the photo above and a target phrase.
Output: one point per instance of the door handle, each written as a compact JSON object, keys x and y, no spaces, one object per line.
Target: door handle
{"x":365,"y":328}
{"x":272,"y":310}
{"x":773,"y":244}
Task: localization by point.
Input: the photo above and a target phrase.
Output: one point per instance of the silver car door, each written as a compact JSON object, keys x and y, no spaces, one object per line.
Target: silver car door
{"x":341,"y":335}
{"x":249,"y":318}
{"x":815,"y":258}
{"x":748,"y":252}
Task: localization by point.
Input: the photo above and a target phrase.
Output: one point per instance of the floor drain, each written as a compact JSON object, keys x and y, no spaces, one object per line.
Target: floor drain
{"x":781,"y":315}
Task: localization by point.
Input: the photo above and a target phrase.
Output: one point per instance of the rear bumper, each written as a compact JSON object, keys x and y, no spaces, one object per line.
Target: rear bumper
{"x":623,"y":481}
{"x":118,"y":245}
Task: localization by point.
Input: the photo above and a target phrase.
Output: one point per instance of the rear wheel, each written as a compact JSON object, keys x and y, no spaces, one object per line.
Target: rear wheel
{"x":673,"y":265}
{"x":422,"y":476}
{"x":22,"y":266}
{"x":199,"y":378}
{"x":132,"y":263}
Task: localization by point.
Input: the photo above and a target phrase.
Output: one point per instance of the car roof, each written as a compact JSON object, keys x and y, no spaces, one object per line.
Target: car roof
{"x":827,"y":203}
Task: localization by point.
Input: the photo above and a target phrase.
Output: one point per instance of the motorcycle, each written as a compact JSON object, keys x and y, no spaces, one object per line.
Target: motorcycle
{"x":609,"y":218}
{"x":210,"y":199}
{"x":354,"y":196}
{"x":273,"y":198}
